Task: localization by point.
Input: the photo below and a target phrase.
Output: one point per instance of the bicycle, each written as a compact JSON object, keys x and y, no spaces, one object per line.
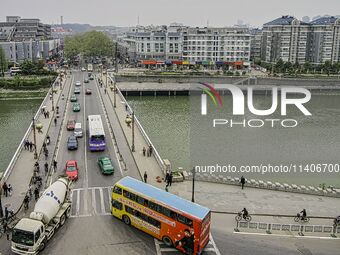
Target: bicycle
{"x":300,"y":218}
{"x":240,"y":217}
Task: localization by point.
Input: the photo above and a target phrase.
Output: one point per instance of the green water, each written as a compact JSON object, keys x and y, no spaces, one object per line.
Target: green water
{"x":15,"y":117}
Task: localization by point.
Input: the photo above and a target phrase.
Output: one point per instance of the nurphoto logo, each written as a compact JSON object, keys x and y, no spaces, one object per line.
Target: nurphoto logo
{"x":238,"y":109}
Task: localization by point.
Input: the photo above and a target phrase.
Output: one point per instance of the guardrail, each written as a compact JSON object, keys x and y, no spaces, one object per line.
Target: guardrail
{"x":26,"y":135}
{"x":141,"y":129}
{"x":300,"y":229}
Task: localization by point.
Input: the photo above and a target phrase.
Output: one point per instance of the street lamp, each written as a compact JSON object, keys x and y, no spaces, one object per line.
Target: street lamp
{"x":116,"y":61}
{"x":1,"y":211}
{"x":133,"y":132}
{"x":52,"y":98}
{"x":34,"y":139}
{"x":193,"y":185}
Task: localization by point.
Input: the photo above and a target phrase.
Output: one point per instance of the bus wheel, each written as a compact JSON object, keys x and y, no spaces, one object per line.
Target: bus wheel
{"x":68,"y":212}
{"x":167,"y":241}
{"x":126,"y":220}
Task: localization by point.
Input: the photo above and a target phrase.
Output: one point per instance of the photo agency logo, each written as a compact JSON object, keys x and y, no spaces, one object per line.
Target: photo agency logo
{"x":301,"y":97}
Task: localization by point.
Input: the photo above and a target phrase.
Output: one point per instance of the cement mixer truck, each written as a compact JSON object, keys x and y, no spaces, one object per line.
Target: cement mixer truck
{"x":30,"y":235}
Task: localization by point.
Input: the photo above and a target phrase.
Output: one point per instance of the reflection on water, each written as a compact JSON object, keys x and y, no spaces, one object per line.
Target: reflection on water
{"x":187,"y":142}
{"x":15,"y":117}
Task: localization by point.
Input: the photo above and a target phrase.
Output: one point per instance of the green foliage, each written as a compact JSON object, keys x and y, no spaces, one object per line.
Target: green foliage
{"x":24,"y":83}
{"x":90,"y":44}
{"x":34,"y":68}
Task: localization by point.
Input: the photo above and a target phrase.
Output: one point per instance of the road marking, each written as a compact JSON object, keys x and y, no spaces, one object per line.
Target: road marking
{"x":94,"y":201}
{"x":109,"y":192}
{"x":78,"y":202}
{"x":108,"y":125}
{"x":108,"y":187}
{"x":86,"y":181}
{"x":102,"y":205}
{"x":288,"y":236}
{"x":160,"y":250}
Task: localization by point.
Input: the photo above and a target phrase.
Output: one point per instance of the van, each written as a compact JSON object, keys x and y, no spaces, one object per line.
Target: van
{"x":78,"y":132}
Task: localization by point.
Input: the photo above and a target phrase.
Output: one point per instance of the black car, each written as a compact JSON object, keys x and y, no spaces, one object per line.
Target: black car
{"x":72,"y":143}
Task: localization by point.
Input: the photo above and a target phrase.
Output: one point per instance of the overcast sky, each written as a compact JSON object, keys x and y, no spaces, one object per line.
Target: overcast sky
{"x":188,"y":12}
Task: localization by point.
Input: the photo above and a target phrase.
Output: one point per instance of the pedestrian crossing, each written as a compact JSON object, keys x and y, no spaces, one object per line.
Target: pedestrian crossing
{"x":162,"y":249}
{"x":92,"y":201}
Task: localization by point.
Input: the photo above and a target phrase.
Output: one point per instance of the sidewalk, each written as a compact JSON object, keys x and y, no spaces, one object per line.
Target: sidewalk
{"x":145,"y":164}
{"x":23,"y":169}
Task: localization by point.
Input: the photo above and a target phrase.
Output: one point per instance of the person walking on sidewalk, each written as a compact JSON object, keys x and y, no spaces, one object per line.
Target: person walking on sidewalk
{"x":30,"y":144}
{"x":167,"y":178}
{"x":36,"y":194}
{"x":145,"y":177}
{"x":55,"y":121}
{"x":46,"y":168}
{"x":170,"y":179}
{"x":242,"y":181}
{"x":144,"y":150}
{"x":55,"y":163}
{"x":9,"y":189}
{"x":5,"y":188}
{"x":150,"y":149}
{"x":46,"y":154}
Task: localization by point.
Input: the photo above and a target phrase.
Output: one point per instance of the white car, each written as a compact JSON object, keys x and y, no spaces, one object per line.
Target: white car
{"x":78,"y":83}
{"x":83,"y":69}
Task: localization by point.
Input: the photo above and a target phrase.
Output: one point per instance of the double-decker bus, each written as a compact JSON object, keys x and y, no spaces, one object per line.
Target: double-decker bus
{"x":165,"y":216}
{"x":96,"y":133}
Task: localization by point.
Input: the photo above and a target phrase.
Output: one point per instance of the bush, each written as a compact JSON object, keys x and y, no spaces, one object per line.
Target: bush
{"x":20,"y":83}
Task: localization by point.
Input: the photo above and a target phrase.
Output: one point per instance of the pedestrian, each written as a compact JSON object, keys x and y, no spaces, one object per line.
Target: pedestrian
{"x":167,"y":176}
{"x":144,"y":150}
{"x":105,"y":91}
{"x":242,"y":181}
{"x":45,"y":114}
{"x":55,"y":164}
{"x":166,"y":188}
{"x":9,"y":189}
{"x":46,"y":154}
{"x":5,"y":188}
{"x":48,"y":140}
{"x":150,"y":149}
{"x":170,"y":178}
{"x":48,"y":114}
{"x":25,"y":145}
{"x":55,"y":121}
{"x":30,"y":144}
{"x":145,"y":177}
{"x":46,"y":168}
{"x":148,"y":152}
{"x":36,"y":167}
{"x":44,"y":146}
{"x":126,"y":107}
{"x":36,"y":194}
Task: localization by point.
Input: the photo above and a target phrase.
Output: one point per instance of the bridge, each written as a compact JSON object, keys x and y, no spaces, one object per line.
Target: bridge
{"x":91,"y":228}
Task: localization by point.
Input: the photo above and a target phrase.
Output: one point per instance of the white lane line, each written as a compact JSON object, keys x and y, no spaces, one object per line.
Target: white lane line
{"x":98,"y":187}
{"x":86,"y":181}
{"x":108,"y":125}
{"x":214,"y":245}
{"x":109,"y":191}
{"x":102,"y":205}
{"x":158,"y":248}
{"x":288,"y":236}
{"x":78,"y":202}
{"x":94,"y":201}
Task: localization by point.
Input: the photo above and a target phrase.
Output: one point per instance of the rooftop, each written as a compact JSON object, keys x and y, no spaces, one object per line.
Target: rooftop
{"x":324,"y":21}
{"x":283,"y":20}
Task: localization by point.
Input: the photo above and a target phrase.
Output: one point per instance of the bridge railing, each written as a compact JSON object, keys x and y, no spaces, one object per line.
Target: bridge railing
{"x":16,"y":155}
{"x":141,"y":129}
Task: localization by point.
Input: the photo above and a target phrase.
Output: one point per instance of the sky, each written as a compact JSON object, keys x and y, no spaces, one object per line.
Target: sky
{"x":163,"y":12}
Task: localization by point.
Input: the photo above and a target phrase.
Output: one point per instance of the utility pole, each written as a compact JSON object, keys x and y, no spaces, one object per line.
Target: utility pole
{"x":34,"y":139}
{"x":193,"y":185}
{"x":106,"y":78}
{"x":52,"y":97}
{"x":116,"y":58}
{"x":133,"y":132}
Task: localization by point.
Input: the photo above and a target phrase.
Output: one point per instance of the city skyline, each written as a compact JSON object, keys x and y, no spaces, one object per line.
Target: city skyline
{"x":131,"y":12}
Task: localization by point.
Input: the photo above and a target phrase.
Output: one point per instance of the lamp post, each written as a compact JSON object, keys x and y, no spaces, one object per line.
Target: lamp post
{"x":52,"y":97}
{"x":34,"y":139}
{"x":1,"y":211}
{"x":106,"y":78}
{"x":116,"y":61}
{"x":193,"y":185}
{"x":133,"y":132}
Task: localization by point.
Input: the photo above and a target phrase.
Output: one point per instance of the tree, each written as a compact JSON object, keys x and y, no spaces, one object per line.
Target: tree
{"x":279,"y":66}
{"x":3,"y":62}
{"x":327,"y":67}
{"x":307,"y":66}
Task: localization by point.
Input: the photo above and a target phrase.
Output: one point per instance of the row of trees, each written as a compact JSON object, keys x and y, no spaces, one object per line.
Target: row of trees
{"x":306,"y":68}
{"x":90,"y":44}
{"x":29,"y":67}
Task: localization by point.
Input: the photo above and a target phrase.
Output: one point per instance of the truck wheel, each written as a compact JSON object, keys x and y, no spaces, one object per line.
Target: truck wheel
{"x":126,"y":220}
{"x":42,"y":245}
{"x":62,"y":219}
{"x":68,"y":212}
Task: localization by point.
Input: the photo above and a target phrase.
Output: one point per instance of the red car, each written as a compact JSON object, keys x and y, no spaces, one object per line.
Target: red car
{"x":70,"y":124}
{"x":88,"y":92}
{"x":71,"y":169}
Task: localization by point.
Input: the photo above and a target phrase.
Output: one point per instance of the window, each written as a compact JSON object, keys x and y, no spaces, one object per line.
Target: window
{"x":117,"y":190}
{"x":37,"y":235}
{"x":143,"y":217}
{"x":117,"y":205}
{"x":184,"y":220}
{"x":129,"y":195}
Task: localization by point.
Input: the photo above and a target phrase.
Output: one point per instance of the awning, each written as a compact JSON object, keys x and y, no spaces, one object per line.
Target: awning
{"x":160,"y":62}
{"x":192,"y":63}
{"x":219,"y":63}
{"x":198,"y":62}
{"x":185,"y":63}
{"x":149,"y":62}
{"x":177,"y":62}
{"x":206,"y":63}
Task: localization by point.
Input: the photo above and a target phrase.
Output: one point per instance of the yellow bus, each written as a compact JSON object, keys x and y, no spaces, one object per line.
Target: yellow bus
{"x":165,"y":216}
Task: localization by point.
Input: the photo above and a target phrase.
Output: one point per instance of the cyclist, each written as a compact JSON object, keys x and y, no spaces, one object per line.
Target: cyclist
{"x":337,"y":221}
{"x":26,"y":201}
{"x":245,"y":213}
{"x":303,"y":214}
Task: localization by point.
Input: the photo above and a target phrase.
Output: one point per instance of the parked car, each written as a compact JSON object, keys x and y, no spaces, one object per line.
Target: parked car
{"x":77,"y":91}
{"x":78,"y":83}
{"x":76,"y":107}
{"x":88,"y":92}
{"x":72,"y":170}
{"x":72,"y":142}
{"x":73,"y":98}
{"x":105,"y":165}
{"x":86,"y":80}
{"x":70,"y":125}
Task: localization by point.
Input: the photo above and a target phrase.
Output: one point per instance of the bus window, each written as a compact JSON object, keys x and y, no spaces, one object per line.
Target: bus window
{"x":117,"y":204}
{"x":184,"y":220}
{"x":117,"y":190}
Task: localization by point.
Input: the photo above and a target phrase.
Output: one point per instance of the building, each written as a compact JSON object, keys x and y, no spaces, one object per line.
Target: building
{"x":292,"y":40}
{"x":23,"y":39}
{"x":255,"y":44}
{"x":179,"y":44}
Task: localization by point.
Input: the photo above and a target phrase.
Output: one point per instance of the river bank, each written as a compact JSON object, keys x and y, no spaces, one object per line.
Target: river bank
{"x":9,"y":94}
